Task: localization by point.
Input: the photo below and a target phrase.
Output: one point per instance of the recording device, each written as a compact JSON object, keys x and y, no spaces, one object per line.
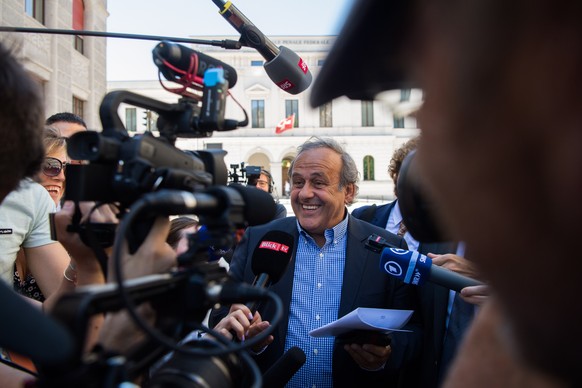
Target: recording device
{"x":240,"y":173}
{"x":180,"y":298}
{"x":175,"y":61}
{"x":270,"y":259}
{"x":146,"y":176}
{"x":121,"y":168}
{"x":415,"y":268}
{"x":285,"y":68}
{"x":279,"y":374}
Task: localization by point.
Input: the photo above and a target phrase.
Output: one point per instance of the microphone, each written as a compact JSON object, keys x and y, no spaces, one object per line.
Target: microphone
{"x":279,"y":374}
{"x":246,"y":205}
{"x":285,"y":68}
{"x":270,"y":259}
{"x":415,"y":268}
{"x":31,"y":333}
{"x":181,"y":57}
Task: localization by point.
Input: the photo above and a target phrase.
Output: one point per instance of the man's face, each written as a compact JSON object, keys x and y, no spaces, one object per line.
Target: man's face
{"x":263,"y":183}
{"x":316,"y":199}
{"x":68,"y":129}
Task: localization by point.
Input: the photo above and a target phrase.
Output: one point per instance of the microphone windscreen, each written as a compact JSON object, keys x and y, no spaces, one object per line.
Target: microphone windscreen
{"x":289,"y":72}
{"x":27,"y":331}
{"x":279,"y":374}
{"x":180,"y":56}
{"x":260,"y":206}
{"x":272,"y":254}
{"x":411,"y":267}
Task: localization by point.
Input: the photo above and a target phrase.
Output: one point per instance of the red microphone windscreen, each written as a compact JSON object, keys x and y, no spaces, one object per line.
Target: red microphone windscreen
{"x":272,"y":254}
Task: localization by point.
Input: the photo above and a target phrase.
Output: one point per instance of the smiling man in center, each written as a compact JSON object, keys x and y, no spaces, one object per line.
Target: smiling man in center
{"x":330,"y":274}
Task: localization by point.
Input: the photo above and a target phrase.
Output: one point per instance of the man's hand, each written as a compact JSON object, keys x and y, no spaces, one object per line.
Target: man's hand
{"x":244,"y":325}
{"x":455,"y":263}
{"x":476,"y":295}
{"x":369,"y":357}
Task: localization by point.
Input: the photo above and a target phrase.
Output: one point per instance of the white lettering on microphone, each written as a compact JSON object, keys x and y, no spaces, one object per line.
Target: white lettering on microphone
{"x":274,"y":246}
{"x":285,"y":84}
{"x":303,"y":66}
{"x":416,"y":277}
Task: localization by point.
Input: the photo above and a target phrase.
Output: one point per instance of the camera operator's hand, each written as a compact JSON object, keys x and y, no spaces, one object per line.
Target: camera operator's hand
{"x":84,"y":261}
{"x":154,"y":255}
{"x":244,"y":325}
{"x":84,"y":268}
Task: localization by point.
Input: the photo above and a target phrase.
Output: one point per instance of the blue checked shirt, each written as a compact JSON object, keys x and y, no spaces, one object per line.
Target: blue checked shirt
{"x":315,"y":300}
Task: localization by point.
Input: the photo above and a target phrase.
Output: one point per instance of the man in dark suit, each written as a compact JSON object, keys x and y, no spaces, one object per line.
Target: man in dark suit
{"x":429,"y":370}
{"x":329,"y":275}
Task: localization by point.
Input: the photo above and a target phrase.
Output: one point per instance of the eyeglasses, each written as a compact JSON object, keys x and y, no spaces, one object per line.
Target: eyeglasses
{"x":262,"y":183}
{"x":53,"y":166}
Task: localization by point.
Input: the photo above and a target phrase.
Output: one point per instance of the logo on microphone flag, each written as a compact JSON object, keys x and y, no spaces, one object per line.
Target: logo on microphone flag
{"x":274,"y":246}
{"x":285,"y":124}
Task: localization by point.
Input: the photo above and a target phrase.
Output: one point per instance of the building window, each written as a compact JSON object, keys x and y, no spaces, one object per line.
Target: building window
{"x":325,"y":117}
{"x":213,"y":146}
{"x":130,"y":119}
{"x":258,"y":113}
{"x":292,"y":106}
{"x":398,"y":122}
{"x":367,"y":113}
{"x":405,"y":95}
{"x":79,"y":24}
{"x":79,"y":44}
{"x":35,"y":8}
{"x":320,"y":62}
{"x":368,"y":168}
{"x":257,"y":63}
{"x":78,"y":107}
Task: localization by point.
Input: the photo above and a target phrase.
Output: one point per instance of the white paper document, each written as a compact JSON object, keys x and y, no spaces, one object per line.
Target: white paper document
{"x":362,"y":318}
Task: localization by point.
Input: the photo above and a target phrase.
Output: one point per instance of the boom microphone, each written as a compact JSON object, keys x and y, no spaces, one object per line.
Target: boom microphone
{"x":181,"y":57}
{"x":270,"y":259}
{"x":415,"y":268}
{"x":279,"y":374}
{"x":285,"y":68}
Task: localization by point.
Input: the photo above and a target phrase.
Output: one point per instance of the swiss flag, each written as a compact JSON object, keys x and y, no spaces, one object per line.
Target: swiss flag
{"x":285,"y":124}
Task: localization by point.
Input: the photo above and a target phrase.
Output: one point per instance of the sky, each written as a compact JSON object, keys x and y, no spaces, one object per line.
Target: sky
{"x":129,"y":59}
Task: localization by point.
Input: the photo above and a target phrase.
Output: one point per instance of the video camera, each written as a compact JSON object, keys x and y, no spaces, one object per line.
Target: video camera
{"x":145,"y":177}
{"x":248,"y":174}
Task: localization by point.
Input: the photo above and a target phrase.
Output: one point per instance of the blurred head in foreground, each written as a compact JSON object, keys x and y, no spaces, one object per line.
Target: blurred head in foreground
{"x":501,"y":147}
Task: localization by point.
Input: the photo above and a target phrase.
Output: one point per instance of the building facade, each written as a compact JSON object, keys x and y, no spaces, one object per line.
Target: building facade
{"x":71,"y":69}
{"x":369,"y":130}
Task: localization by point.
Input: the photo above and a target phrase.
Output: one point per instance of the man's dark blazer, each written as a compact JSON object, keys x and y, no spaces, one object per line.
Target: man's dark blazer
{"x":434,"y":301}
{"x":364,"y":285}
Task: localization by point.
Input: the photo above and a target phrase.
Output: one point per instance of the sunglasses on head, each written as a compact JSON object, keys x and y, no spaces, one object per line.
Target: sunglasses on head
{"x":53,"y":166}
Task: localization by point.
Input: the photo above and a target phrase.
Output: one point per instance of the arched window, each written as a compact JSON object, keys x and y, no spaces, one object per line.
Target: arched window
{"x":368,"y":168}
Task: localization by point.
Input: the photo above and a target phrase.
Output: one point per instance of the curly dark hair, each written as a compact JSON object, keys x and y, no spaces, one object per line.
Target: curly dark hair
{"x":398,"y":157}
